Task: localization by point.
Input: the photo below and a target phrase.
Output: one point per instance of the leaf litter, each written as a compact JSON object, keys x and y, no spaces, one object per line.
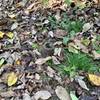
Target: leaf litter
{"x":31,"y":68}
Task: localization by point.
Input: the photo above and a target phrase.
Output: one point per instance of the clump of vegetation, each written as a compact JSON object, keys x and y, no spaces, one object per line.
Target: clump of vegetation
{"x":75,"y":62}
{"x":66,"y":24}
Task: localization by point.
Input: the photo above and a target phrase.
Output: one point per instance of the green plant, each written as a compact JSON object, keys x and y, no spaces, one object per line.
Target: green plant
{"x":71,"y":26}
{"x":76,"y":62}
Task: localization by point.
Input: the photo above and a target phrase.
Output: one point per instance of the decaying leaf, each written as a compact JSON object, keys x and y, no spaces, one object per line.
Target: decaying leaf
{"x":41,"y":61}
{"x":62,"y":93}
{"x":1,"y":34}
{"x":43,"y":94}
{"x":12,"y":79}
{"x":94,"y":79}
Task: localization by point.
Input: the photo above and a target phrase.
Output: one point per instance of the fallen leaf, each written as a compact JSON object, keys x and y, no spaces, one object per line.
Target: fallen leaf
{"x":72,"y":48}
{"x":7,"y":94}
{"x":86,"y":27}
{"x":14,"y":26}
{"x":96,"y":55}
{"x":1,"y":34}
{"x":43,"y":94}
{"x":26,"y":96}
{"x":62,"y":93}
{"x":10,"y":35}
{"x":83,"y":84}
{"x":80,"y":46}
{"x":60,"y":33}
{"x":55,"y":60}
{"x":86,"y":42}
{"x":94,"y":79}
{"x":50,"y":72}
{"x":12,"y":79}
{"x":57,"y":51}
{"x":12,"y":16}
{"x":41,"y":61}
{"x":2,"y":61}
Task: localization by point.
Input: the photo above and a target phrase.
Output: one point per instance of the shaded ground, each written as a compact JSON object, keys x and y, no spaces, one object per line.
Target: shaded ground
{"x":44,"y":49}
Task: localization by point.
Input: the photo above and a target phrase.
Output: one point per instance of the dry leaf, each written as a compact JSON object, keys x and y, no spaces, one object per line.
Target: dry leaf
{"x":55,"y":60}
{"x":96,"y":55}
{"x":62,"y":93}
{"x":7,"y":94}
{"x":59,"y":33}
{"x":86,"y":27}
{"x":94,"y":79}
{"x":80,"y":46}
{"x":82,"y":84}
{"x":44,"y":95}
{"x":41,"y":61}
{"x":26,"y":96}
{"x":12,"y":16}
{"x":1,"y":34}
{"x":12,"y":79}
{"x":10,"y":35}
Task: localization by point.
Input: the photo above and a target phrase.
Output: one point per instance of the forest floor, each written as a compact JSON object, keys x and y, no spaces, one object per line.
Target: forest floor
{"x":49,"y":50}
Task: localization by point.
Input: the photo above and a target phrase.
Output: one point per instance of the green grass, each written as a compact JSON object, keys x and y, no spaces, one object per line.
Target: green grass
{"x":73,"y":63}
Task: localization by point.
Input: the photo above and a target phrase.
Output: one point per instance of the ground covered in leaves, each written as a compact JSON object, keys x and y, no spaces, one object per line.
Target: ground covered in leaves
{"x":49,"y":50}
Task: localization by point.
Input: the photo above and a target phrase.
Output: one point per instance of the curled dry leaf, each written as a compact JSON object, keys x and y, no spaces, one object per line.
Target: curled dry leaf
{"x":12,"y":79}
{"x":94,"y":79}
{"x":62,"y":93}
{"x":41,"y":61}
{"x":43,"y":94}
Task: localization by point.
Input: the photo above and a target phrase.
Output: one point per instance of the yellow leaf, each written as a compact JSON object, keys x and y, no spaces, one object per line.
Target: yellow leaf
{"x":1,"y":34}
{"x":12,"y":79}
{"x":94,"y":79}
{"x":10,"y":35}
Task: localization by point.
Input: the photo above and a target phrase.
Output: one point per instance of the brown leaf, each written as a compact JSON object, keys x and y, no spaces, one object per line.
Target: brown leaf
{"x":59,"y":33}
{"x":41,"y":61}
